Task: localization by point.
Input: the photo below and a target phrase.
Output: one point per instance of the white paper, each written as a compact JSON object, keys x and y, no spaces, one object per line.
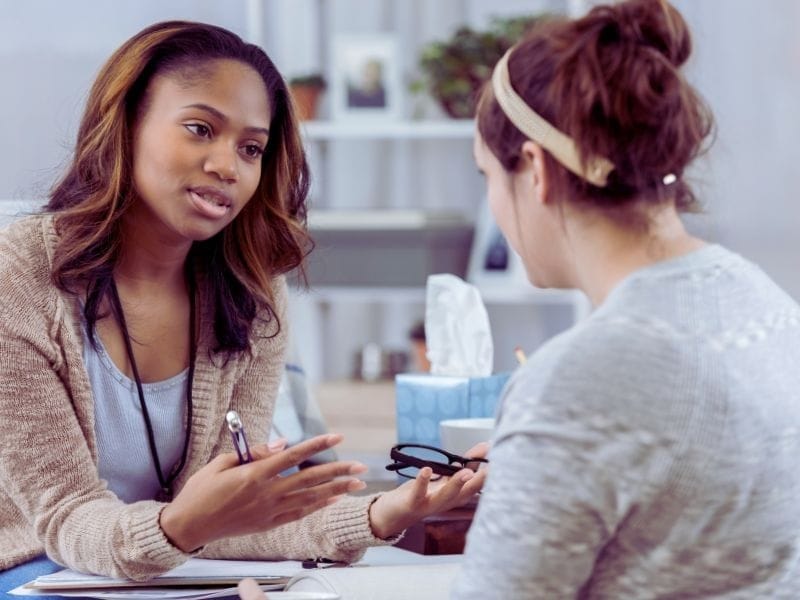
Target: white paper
{"x":457,"y":332}
{"x":201,"y":569}
{"x":161,"y":594}
{"x":204,"y":567}
{"x":196,"y":569}
{"x":134,"y":593}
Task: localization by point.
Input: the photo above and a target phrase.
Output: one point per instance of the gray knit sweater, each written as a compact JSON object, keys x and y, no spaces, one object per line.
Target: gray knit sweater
{"x":652,"y":451}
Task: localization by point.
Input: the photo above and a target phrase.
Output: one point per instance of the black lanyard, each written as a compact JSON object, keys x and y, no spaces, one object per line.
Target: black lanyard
{"x":165,"y":495}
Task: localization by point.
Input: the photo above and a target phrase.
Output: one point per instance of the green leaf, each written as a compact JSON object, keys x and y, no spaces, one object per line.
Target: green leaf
{"x":455,"y":69}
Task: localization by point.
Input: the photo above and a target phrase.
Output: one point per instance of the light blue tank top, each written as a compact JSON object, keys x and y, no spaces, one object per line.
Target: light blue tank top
{"x":123,"y":452}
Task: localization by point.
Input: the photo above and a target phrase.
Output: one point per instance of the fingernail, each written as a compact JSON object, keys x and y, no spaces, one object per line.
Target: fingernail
{"x":357,"y":468}
{"x":467,"y":476}
{"x":334,"y":438}
{"x":356,"y":485}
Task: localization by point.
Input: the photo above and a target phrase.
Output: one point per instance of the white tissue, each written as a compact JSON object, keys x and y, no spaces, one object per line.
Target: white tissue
{"x":457,"y":331}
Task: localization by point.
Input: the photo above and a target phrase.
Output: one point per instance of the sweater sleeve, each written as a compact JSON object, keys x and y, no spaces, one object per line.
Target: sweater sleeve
{"x":578,"y":444}
{"x":46,"y":466}
{"x":341,"y":531}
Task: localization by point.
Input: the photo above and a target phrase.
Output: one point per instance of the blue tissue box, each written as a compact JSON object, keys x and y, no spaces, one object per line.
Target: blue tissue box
{"x":424,"y":400}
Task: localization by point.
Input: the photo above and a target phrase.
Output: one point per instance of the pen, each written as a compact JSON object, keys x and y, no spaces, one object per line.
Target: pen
{"x":238,"y":437}
{"x":322,"y":563}
{"x":521,"y":358}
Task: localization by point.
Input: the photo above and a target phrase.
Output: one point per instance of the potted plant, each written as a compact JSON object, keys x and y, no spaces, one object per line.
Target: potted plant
{"x":306,"y":91}
{"x":454,"y":70}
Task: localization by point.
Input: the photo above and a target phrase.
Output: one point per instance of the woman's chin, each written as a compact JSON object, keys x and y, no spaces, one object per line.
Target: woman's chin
{"x":545,"y":282}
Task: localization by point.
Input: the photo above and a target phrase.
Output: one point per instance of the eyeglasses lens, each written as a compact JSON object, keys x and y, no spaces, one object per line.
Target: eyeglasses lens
{"x":425,"y":455}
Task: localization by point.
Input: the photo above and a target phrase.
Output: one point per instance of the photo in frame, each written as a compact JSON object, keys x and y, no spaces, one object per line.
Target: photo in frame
{"x":365,"y":77}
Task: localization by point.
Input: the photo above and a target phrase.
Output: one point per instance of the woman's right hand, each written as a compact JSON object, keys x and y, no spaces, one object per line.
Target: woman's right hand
{"x":225,"y":499}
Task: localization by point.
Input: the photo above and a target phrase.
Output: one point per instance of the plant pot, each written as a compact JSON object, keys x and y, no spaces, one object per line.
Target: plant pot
{"x":306,"y":100}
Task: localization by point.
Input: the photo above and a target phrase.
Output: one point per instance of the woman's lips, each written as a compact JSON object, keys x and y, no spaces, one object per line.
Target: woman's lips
{"x":211,"y":202}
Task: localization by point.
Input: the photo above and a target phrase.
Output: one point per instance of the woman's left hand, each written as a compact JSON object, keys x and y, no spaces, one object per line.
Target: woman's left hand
{"x":394,"y":511}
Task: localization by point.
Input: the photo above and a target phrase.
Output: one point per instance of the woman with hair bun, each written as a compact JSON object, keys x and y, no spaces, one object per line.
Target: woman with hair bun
{"x":147,"y":301}
{"x":651,"y":451}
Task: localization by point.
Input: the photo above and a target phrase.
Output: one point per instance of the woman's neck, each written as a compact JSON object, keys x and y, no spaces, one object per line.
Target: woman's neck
{"x":605,"y":252}
{"x":147,"y":260}
{"x":142,"y":271}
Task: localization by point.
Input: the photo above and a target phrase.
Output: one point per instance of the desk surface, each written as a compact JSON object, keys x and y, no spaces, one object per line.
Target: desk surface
{"x":392,"y":555}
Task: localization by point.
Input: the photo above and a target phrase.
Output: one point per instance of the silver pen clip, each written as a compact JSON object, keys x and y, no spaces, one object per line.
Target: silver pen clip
{"x":238,"y":437}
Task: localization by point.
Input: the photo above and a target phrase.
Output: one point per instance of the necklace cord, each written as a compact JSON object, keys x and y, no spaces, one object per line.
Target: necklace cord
{"x":165,"y":483}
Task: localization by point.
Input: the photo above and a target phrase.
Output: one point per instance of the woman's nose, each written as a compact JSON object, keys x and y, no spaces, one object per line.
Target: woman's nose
{"x":222,"y":162}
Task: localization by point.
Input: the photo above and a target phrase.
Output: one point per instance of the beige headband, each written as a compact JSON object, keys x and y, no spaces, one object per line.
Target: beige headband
{"x":560,"y":145}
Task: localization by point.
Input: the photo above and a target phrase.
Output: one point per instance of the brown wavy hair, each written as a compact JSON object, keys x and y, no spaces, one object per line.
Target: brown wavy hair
{"x":612,"y":81}
{"x":237,"y":266}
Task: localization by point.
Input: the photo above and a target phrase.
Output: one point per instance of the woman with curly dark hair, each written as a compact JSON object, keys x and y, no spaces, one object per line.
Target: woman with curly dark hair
{"x":146,"y":302}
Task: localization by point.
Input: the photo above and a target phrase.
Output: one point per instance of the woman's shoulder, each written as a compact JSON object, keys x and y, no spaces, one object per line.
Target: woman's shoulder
{"x":25,"y":228}
{"x":270,"y":324}
{"x":605,"y":364}
{"x":611,"y":342}
{"x":25,"y":250}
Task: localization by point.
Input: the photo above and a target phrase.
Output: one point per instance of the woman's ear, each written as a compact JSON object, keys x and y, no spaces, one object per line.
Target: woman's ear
{"x":533,"y":158}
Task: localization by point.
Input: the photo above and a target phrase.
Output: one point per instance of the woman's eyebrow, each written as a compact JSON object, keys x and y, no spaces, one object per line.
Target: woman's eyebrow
{"x":222,"y":117}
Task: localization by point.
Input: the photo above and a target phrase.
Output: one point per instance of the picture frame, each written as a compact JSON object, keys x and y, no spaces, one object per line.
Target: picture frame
{"x":365,"y":80}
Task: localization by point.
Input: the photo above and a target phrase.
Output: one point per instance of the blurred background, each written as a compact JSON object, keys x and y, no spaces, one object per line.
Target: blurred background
{"x":395,"y":193}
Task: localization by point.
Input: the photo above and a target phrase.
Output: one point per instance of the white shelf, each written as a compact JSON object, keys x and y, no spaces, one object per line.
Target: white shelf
{"x":493,"y":295}
{"x":381,"y":219}
{"x":455,"y":129}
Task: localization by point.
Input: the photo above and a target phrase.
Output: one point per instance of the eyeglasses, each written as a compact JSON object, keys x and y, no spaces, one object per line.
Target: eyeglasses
{"x":409,"y":459}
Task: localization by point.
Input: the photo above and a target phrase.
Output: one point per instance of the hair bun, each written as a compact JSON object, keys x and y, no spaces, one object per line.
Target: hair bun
{"x":611,"y":81}
{"x":655,"y":24}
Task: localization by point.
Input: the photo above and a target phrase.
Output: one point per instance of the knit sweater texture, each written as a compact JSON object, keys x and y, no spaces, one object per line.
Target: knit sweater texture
{"x":51,"y":497}
{"x":651,"y":451}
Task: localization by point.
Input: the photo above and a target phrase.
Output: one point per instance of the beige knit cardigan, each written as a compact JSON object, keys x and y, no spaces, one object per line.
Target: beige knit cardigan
{"x":51,"y":497}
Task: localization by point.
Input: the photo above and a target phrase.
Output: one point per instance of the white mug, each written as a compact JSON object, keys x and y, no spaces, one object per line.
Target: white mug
{"x":459,"y":435}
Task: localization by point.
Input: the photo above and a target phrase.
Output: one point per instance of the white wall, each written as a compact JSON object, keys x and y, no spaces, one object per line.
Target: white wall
{"x":50,"y":51}
{"x":747,"y":65}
